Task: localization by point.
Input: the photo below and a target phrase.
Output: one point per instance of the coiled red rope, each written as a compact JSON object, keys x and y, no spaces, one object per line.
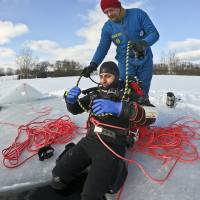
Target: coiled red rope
{"x":36,"y":134}
{"x":171,"y":144}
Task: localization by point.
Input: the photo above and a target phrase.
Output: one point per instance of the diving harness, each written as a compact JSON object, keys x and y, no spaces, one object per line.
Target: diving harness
{"x":99,"y":127}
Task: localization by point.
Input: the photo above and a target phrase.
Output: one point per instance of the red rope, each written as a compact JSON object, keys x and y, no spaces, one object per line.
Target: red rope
{"x":44,"y":110}
{"x":34,"y":135}
{"x":97,"y":123}
{"x":170,"y":144}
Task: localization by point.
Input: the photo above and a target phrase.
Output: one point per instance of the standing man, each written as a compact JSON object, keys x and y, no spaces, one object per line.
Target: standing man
{"x":125,"y":25}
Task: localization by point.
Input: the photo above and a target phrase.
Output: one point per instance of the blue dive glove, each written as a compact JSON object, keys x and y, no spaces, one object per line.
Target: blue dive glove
{"x":101,"y":106}
{"x":73,"y":95}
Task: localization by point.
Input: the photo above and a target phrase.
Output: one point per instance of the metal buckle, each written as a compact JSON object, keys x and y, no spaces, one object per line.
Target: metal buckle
{"x":104,"y":131}
{"x":135,"y":134}
{"x":112,"y":92}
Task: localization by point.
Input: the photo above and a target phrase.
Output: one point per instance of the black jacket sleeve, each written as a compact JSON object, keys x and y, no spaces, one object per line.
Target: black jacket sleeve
{"x":138,"y":114}
{"x":76,"y":108}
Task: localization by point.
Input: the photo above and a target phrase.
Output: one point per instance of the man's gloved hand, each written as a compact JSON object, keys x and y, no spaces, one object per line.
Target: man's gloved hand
{"x":88,"y":70}
{"x":101,"y":106}
{"x":72,"y":95}
{"x":139,"y":45}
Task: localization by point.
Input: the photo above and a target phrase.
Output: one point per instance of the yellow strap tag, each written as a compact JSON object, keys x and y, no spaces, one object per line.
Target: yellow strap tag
{"x":65,"y":93}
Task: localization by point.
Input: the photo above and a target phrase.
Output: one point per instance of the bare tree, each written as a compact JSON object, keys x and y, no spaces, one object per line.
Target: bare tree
{"x":2,"y":71}
{"x":9,"y":71}
{"x":163,"y":58}
{"x":173,"y":61}
{"x":40,"y":70}
{"x":26,"y":62}
{"x":171,"y":64}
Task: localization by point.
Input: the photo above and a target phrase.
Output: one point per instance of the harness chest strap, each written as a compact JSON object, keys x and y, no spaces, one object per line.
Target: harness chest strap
{"x":102,"y":131}
{"x":95,"y":122}
{"x":98,"y":128}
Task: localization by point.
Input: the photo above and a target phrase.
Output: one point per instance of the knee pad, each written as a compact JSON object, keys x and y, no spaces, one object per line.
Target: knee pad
{"x":92,"y":197}
{"x":57,"y":183}
{"x":109,"y":196}
{"x":67,"y":148}
{"x":118,"y":177}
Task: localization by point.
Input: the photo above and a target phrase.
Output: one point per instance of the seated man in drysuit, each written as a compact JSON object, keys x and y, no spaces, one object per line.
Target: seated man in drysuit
{"x":109,"y":119}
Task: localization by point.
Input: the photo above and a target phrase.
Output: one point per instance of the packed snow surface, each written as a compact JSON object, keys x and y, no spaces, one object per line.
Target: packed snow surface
{"x":21,"y":100}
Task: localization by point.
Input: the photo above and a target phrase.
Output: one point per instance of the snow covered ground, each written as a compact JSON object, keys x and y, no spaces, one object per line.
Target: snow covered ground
{"x":183,"y":184}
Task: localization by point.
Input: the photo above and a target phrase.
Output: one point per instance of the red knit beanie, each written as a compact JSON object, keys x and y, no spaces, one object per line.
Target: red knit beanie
{"x":110,"y":4}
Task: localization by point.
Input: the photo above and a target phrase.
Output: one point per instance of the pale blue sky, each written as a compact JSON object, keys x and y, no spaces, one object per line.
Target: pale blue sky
{"x":58,"y":29}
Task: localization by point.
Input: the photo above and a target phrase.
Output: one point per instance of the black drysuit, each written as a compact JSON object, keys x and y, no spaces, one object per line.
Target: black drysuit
{"x":89,"y":151}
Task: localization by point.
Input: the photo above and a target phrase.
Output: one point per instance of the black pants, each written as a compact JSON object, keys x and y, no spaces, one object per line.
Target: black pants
{"x":103,"y":165}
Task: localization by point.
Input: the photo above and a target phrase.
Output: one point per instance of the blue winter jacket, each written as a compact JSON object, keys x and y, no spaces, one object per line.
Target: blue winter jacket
{"x":135,"y":25}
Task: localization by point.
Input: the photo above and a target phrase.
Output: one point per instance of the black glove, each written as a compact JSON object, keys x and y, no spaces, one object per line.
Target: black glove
{"x":139,"y":47}
{"x":88,"y":70}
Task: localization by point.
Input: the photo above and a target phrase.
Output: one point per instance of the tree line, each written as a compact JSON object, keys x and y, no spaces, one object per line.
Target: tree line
{"x":30,"y":67}
{"x":45,"y":69}
{"x":172,"y":65}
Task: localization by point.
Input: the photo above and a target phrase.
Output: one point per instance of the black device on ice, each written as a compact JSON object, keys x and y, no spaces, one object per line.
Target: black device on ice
{"x":170,"y":100}
{"x":45,"y":152}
